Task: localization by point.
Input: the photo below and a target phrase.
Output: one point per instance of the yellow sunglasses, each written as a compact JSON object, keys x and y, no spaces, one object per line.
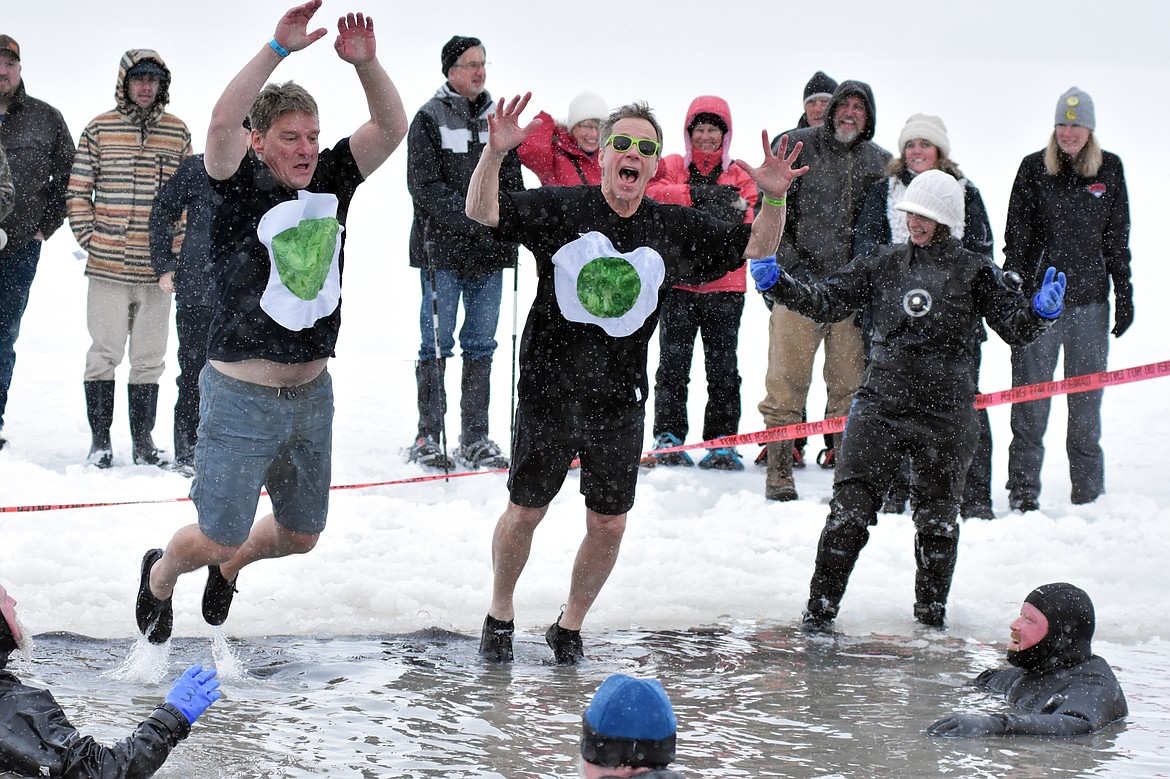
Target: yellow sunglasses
{"x":622,"y":143}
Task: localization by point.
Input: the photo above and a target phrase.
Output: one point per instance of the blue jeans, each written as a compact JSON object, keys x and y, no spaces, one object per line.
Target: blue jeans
{"x":481,"y":314}
{"x":16,"y":278}
{"x":1083,"y":332}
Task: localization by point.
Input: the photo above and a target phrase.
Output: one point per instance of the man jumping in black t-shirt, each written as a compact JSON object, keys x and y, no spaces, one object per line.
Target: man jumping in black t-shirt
{"x":603,"y":254}
{"x":278,"y":219}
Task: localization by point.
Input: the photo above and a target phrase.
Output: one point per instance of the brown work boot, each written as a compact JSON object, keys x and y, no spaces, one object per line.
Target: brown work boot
{"x":778,"y":484}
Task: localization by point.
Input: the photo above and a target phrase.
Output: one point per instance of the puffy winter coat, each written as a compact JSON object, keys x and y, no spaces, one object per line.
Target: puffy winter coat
{"x":40,"y":154}
{"x":123,"y":157}
{"x":36,"y":739}
{"x":824,"y":204}
{"x":1079,"y":225}
{"x":552,"y":153}
{"x":444,"y":144}
{"x":922,"y":356}
{"x":676,"y":173}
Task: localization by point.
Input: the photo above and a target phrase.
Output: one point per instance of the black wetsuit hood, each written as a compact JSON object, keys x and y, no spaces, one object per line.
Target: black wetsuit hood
{"x":1071,"y":622}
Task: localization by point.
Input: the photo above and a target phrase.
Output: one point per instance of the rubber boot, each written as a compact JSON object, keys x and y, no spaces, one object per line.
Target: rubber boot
{"x":473,"y":403}
{"x":432,"y":398}
{"x":837,"y":553}
{"x":143,"y":410}
{"x":778,"y":484}
{"x":99,"y":406}
{"x":936,"y":556}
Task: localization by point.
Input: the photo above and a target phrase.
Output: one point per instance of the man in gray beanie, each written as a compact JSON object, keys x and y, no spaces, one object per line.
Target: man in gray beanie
{"x":457,"y":259}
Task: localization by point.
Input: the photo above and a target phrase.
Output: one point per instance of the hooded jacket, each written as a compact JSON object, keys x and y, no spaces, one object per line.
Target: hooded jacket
{"x":38,"y":740}
{"x":552,"y":153}
{"x":1078,"y":225}
{"x":443,"y":147}
{"x":123,"y":157}
{"x":40,"y":153}
{"x":1060,"y":685}
{"x":825,"y":203}
{"x":676,"y":173}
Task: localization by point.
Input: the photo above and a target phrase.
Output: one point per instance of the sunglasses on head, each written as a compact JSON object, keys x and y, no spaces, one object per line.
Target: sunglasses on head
{"x":622,"y":144}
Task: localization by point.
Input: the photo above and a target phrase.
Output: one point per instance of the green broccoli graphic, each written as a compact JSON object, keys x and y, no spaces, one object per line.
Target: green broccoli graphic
{"x":303,"y":255}
{"x":608,"y":287}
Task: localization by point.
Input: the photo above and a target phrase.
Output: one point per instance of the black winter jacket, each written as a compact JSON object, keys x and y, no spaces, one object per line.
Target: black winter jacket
{"x":1079,"y":225}
{"x":824,"y":204}
{"x":925,"y":361}
{"x":40,"y":153}
{"x":36,"y":737}
{"x":1066,"y":701}
{"x":446,"y":138}
{"x":187,"y":190}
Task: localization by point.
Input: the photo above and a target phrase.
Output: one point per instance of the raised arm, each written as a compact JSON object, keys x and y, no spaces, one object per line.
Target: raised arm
{"x":772,"y":180}
{"x":227,"y":140}
{"x":373,"y":142}
{"x":504,"y":134}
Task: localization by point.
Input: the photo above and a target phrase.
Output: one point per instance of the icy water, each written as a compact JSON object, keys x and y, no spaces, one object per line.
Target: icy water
{"x":751,"y":701}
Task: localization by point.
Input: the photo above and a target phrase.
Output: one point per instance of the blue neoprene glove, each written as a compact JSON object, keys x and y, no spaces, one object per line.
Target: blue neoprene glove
{"x":765,"y":272}
{"x":1049,"y":301}
{"x":194,"y":691}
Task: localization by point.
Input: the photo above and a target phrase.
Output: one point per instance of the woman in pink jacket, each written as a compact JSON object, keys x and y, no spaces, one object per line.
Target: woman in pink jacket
{"x":566,"y":155}
{"x":703,"y":178}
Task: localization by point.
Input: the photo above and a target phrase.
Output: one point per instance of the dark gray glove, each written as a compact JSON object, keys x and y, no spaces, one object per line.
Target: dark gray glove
{"x":967,"y":726}
{"x":721,"y":201}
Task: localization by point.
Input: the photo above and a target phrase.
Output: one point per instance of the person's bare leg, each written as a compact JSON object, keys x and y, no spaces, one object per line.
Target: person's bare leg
{"x":188,"y":550}
{"x":268,"y":540}
{"x":595,"y":560}
{"x":511,"y":545}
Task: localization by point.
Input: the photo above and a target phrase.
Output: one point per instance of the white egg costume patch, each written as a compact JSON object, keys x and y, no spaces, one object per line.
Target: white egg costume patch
{"x":596,"y":284}
{"x":303,"y":238}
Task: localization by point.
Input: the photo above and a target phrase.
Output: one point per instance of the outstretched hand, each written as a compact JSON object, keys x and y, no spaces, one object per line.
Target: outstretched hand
{"x":355,"y":38}
{"x":504,"y":130}
{"x":292,"y":30}
{"x":775,"y":175}
{"x":195,"y":690}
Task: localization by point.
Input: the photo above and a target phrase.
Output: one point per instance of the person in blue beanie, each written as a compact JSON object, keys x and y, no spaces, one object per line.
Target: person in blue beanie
{"x":38,"y":739}
{"x":1056,"y":685}
{"x":628,"y":729}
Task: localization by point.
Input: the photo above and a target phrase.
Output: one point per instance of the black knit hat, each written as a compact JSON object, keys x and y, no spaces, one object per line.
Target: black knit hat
{"x":454,"y":48}
{"x":706,"y":117}
{"x":819,"y":85}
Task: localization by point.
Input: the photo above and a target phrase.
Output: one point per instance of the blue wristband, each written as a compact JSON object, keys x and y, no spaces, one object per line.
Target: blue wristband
{"x":280,"y":50}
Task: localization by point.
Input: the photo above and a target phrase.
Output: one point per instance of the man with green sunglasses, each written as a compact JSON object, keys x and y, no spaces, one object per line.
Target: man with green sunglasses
{"x":604,"y":255}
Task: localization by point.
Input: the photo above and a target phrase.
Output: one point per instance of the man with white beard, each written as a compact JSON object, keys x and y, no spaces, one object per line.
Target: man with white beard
{"x":39,"y":741}
{"x":823,"y":207}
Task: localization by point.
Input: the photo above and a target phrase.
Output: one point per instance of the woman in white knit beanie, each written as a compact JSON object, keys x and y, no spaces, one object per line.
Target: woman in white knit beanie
{"x":923,"y":145}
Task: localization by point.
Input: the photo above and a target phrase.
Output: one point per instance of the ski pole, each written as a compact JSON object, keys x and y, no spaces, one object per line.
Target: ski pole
{"x":442,"y":391}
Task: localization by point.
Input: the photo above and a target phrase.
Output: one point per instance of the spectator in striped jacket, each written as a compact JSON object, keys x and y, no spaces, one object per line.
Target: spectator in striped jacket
{"x":124,"y":156}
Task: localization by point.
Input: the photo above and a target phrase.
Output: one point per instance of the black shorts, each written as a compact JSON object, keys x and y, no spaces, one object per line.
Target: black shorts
{"x":546,"y":444}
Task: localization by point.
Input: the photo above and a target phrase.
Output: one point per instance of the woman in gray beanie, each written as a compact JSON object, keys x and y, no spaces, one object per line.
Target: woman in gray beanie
{"x":1069,"y":208}
{"x":923,"y":145}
